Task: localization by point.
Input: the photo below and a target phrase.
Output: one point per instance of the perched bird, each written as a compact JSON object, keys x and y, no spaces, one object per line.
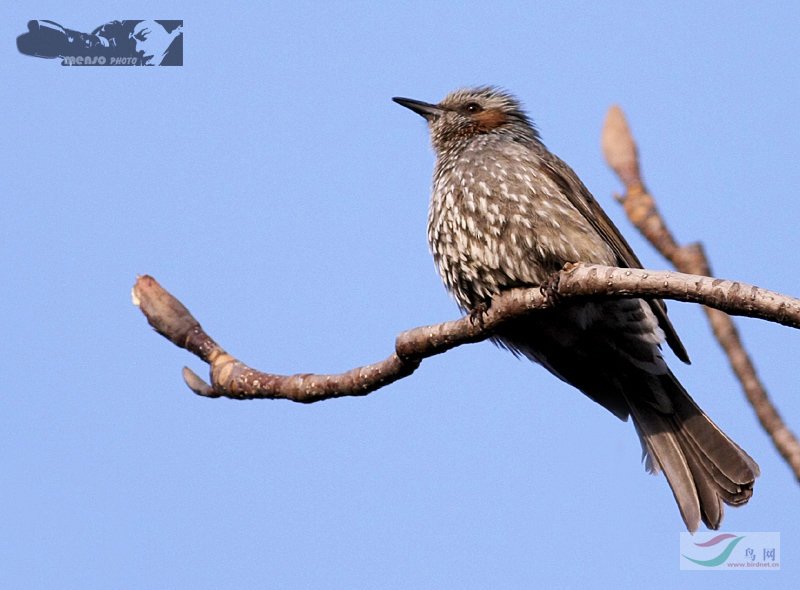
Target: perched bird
{"x":505,"y":213}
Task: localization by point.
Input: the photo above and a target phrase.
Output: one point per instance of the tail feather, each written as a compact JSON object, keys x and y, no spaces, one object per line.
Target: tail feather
{"x":710,"y":499}
{"x":703,"y":467}
{"x":737,"y":466}
{"x":727,"y":488}
{"x":665,"y":453}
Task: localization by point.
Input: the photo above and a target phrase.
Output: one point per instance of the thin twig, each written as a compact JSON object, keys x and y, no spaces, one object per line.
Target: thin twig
{"x":233,"y":379}
{"x":621,"y":154}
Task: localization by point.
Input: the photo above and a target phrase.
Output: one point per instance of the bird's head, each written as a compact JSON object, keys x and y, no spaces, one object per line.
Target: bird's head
{"x":470,"y":112}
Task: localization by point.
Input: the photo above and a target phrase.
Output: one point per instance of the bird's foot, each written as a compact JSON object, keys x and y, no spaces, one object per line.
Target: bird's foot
{"x":549,"y":289}
{"x":478,"y":313}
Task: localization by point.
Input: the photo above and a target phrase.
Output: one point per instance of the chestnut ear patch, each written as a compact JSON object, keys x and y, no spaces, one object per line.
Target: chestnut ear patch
{"x":489,"y":119}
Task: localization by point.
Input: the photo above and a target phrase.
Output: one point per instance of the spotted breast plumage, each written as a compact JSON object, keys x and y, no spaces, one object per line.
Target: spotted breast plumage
{"x":505,"y":213}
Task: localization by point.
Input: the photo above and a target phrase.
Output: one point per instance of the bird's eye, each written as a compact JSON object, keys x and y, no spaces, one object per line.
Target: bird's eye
{"x":472,"y":108}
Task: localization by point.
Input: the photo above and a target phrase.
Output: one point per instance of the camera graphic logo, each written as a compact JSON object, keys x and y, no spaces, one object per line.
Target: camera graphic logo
{"x":116,"y":43}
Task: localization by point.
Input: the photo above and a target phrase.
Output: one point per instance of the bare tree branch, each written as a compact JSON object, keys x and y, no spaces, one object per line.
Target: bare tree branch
{"x":233,"y":379}
{"x":621,"y":154}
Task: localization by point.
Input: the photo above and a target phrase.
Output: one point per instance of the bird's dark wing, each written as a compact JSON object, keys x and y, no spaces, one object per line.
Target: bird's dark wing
{"x":580,"y":198}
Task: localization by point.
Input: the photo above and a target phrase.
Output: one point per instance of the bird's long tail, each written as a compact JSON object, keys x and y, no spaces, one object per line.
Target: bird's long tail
{"x":703,"y":466}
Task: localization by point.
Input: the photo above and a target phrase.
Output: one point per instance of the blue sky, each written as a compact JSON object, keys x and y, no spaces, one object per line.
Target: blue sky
{"x":273,"y":186}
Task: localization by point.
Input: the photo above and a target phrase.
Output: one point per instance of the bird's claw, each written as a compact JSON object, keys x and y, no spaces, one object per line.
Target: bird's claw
{"x":477,"y":314}
{"x":549,"y":289}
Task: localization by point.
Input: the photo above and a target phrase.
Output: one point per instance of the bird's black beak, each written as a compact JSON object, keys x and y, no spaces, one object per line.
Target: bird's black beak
{"x":424,"y":109}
